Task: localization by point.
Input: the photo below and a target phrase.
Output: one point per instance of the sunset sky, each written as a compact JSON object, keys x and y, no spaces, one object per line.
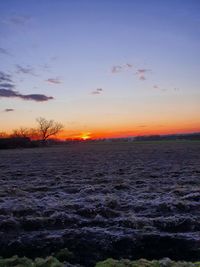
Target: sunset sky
{"x":103,"y":68}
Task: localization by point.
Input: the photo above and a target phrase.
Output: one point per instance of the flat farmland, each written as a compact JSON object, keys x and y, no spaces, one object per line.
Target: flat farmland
{"x":100,"y":200}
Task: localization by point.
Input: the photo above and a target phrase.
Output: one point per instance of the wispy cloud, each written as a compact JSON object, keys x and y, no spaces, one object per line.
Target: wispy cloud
{"x":129,"y":65}
{"x":54,"y":80}
{"x":25,"y":70}
{"x":8,"y":110}
{"x":98,"y":91}
{"x":7,"y":90}
{"x":120,"y":68}
{"x":116,"y":69}
{"x":141,"y":73}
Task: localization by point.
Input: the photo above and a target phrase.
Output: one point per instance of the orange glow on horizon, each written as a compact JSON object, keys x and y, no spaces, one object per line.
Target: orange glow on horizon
{"x":127,"y":129}
{"x":125,"y":133}
{"x":85,"y":136}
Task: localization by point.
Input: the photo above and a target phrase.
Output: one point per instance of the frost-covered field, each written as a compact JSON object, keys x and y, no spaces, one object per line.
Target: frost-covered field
{"x":103,"y":200}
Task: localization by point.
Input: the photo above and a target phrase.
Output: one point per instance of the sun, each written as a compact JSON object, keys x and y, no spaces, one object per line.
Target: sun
{"x":85,"y":136}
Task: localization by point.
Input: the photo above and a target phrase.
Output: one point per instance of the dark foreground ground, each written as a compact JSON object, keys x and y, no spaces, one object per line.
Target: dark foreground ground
{"x":131,"y":200}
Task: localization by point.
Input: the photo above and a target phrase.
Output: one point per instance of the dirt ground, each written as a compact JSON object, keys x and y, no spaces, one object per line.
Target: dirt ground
{"x":121,"y":200}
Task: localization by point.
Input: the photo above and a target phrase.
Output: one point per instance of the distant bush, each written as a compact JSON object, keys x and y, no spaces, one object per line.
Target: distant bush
{"x":17,"y":142}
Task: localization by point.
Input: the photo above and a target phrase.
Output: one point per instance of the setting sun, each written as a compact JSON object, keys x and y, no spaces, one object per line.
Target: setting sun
{"x":86,"y":136}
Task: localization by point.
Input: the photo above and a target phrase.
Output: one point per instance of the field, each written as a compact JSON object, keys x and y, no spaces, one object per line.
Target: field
{"x":120,"y":200}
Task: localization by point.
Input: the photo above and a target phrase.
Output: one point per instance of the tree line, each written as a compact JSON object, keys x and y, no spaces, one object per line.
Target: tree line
{"x":28,"y":136}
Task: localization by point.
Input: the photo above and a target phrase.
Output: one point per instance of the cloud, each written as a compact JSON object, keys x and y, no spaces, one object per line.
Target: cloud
{"x":7,"y":85}
{"x":176,"y":89}
{"x":36,"y":97}
{"x":142,"y":77}
{"x":120,"y":68}
{"x":8,"y":110}
{"x":54,"y":80}
{"x":25,"y":70}
{"x":159,"y":88}
{"x":4,"y":77}
{"x":14,"y":94}
{"x":141,"y":73}
{"x":129,"y":65}
{"x":4,"y":51}
{"x":116,"y":69}
{"x":7,"y":90}
{"x":8,"y":93}
{"x":98,"y":91}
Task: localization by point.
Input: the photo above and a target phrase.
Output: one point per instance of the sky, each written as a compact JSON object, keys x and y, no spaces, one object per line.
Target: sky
{"x":103,"y":68}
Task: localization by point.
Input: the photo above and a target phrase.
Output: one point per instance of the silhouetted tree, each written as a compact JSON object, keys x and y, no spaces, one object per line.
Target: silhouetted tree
{"x":21,"y":132}
{"x":48,"y":128}
{"x":34,"y":134}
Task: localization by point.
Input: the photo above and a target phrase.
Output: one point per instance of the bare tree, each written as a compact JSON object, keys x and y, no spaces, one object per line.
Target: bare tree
{"x":21,"y":132}
{"x":48,"y":128}
{"x":34,"y":134}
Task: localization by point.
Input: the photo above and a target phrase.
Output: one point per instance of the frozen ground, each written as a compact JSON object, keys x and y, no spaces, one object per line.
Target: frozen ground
{"x":102,"y":200}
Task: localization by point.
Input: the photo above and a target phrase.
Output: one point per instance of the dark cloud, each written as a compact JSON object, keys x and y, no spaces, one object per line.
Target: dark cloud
{"x":8,"y":93}
{"x":25,"y":70}
{"x":34,"y":97}
{"x":4,"y":77}
{"x":98,"y":91}
{"x":54,"y":80}
{"x":7,"y":90}
{"x":4,"y":51}
{"x":7,"y":85}
{"x":8,"y":110}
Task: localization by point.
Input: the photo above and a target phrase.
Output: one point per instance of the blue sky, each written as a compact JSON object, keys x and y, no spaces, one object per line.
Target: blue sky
{"x":143,"y":55}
